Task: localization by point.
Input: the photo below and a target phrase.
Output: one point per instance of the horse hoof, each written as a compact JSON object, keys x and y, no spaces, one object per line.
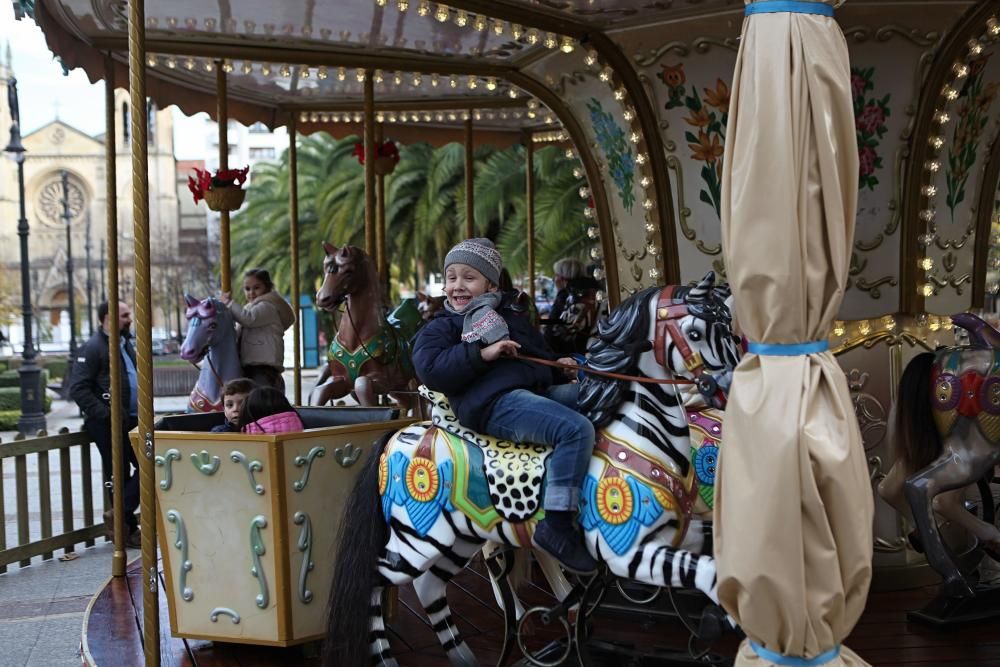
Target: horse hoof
{"x":713,"y":620}
{"x":958,"y":587}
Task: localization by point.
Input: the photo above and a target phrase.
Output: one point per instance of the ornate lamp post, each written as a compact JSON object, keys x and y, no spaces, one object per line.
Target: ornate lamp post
{"x":32,"y":418}
{"x":67,"y":218}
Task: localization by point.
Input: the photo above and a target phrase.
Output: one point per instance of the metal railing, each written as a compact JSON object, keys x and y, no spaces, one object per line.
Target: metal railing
{"x":18,"y":453}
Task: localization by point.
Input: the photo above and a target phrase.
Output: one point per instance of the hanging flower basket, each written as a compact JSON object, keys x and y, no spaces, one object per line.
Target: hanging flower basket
{"x":225,"y":198}
{"x":385,"y":165}
{"x":386,"y":156}
{"x":223,"y":191}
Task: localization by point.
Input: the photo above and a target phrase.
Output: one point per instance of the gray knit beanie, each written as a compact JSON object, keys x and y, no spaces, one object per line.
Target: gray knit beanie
{"x":480,"y":254}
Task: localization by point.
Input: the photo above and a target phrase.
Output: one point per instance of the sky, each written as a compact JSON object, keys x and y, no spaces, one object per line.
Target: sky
{"x":44,"y":94}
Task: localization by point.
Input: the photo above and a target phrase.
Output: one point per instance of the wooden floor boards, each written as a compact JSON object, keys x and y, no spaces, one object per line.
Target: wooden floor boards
{"x":882,"y":637}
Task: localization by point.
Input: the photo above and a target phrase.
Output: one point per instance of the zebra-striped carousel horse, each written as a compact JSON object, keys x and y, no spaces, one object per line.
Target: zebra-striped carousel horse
{"x":443,"y":491}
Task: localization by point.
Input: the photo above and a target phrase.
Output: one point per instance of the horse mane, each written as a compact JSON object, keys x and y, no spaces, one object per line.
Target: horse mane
{"x":615,"y":350}
{"x":917,"y":440}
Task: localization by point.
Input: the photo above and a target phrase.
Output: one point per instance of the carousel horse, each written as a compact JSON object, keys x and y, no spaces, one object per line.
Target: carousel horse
{"x":429,"y":305}
{"x":211,"y":336}
{"x":574,"y":330}
{"x":368,"y":356}
{"x":949,"y":438}
{"x":443,"y":491}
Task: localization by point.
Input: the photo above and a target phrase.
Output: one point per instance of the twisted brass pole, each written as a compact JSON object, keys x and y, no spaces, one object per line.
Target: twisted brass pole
{"x":529,"y":168}
{"x":293,"y":229}
{"x":223,"y":120}
{"x":380,"y":260}
{"x":144,"y":323}
{"x":114,"y":335}
{"x":470,"y":210}
{"x":369,"y":165}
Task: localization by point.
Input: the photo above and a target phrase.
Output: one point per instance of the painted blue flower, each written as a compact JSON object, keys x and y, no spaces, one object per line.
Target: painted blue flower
{"x":705,"y":463}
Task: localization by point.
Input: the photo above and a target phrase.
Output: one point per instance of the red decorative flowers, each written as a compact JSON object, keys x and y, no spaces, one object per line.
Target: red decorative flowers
{"x":386,"y":149}
{"x":223,"y":178}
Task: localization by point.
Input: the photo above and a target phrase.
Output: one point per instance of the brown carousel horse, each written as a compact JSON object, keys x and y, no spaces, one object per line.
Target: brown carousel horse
{"x":368,"y":356}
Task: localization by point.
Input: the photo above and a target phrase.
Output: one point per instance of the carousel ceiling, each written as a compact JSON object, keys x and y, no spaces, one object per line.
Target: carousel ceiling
{"x":435,"y":63}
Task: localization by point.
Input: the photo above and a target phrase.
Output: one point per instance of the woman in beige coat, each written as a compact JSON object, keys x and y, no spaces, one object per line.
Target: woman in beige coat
{"x":263,"y":322}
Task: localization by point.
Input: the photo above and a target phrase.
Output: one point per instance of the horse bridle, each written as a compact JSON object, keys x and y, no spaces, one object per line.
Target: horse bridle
{"x":668,"y":316}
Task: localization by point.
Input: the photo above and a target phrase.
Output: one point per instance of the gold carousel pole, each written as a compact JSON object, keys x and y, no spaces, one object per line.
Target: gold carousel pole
{"x":370,"y":241}
{"x":529,"y":169}
{"x":144,"y":322}
{"x":470,"y":215}
{"x":114,"y":335}
{"x":223,"y":120}
{"x":293,"y":227}
{"x":380,"y":259}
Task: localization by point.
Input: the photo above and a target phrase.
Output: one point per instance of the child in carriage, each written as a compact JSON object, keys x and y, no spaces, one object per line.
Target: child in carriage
{"x":469,"y":352}
{"x":263,"y":321}
{"x":266,"y":410}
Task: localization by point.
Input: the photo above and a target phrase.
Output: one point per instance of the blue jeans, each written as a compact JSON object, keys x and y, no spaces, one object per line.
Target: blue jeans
{"x":549,"y":419}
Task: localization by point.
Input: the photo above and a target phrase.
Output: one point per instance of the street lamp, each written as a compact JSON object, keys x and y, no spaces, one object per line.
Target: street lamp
{"x":90,"y":283}
{"x":67,"y":218}
{"x":32,"y":418}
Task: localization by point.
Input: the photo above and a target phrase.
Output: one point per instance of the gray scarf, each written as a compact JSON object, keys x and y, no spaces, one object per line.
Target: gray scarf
{"x":482,"y":321}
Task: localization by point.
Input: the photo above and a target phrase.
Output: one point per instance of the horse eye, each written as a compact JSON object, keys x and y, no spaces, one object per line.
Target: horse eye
{"x":694,"y":335}
{"x":332,"y":269}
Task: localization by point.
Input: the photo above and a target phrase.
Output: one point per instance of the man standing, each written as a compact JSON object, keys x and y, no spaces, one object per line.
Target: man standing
{"x":91,"y":389}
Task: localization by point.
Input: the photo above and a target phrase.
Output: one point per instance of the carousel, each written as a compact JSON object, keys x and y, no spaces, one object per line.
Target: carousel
{"x":816,"y":184}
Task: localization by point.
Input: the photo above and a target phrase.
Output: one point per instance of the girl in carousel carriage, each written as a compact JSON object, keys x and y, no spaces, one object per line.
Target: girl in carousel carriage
{"x":266,"y":410}
{"x":469,"y":352}
{"x":263,"y":322}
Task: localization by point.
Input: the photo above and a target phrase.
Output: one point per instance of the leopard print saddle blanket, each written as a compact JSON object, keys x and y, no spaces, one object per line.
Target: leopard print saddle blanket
{"x":514,"y":470}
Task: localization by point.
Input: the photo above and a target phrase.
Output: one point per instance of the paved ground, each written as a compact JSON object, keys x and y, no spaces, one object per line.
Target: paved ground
{"x":42,"y":605}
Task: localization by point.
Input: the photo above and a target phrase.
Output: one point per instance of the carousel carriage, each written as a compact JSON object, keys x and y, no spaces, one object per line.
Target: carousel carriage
{"x":641,"y":94}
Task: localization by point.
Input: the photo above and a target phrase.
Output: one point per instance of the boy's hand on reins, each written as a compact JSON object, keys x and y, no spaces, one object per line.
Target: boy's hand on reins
{"x":568,"y":372}
{"x":501,"y":348}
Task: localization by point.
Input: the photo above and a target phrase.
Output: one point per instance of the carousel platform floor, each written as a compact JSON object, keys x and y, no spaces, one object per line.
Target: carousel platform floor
{"x":112,"y":631}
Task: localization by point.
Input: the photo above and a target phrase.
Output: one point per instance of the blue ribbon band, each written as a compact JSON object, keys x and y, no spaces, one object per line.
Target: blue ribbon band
{"x":788,"y":349}
{"x":793,"y":661}
{"x":788,"y":6}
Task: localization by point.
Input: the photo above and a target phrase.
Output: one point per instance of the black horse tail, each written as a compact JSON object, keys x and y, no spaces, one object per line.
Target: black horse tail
{"x":360,"y":540}
{"x":917,"y":440}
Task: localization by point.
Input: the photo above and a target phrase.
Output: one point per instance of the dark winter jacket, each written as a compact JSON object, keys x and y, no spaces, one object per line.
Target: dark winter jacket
{"x":446,"y":364}
{"x":91,"y":385}
{"x":226,"y":427}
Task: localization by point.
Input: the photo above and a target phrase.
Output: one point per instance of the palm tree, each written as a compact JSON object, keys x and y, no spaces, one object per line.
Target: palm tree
{"x":425,"y":207}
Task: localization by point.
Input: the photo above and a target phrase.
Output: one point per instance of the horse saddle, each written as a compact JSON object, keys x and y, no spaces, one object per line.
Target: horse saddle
{"x":514,"y":471}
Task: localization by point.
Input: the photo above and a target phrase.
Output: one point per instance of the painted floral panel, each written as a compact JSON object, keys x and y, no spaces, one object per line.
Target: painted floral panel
{"x":707,"y":118}
{"x":611,"y":138}
{"x":974,"y":102}
{"x":870,"y":114}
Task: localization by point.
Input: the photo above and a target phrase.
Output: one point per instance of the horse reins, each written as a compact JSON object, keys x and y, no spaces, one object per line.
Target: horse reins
{"x":211,"y":366}
{"x":594,"y":371}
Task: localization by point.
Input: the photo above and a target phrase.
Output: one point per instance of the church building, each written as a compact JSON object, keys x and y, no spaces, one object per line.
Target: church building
{"x":176,"y":225}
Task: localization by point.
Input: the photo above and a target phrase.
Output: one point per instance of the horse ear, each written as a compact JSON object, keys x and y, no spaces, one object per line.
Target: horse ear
{"x":700,"y":291}
{"x":190,"y":301}
{"x":421,"y":297}
{"x":329,"y":248}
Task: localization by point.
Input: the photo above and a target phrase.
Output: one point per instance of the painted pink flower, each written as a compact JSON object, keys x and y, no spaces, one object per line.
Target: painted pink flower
{"x":872,"y":117}
{"x":866,"y":158}
{"x":857,"y":85}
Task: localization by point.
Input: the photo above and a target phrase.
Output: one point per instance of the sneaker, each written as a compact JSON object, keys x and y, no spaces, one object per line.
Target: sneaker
{"x":566,"y":546}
